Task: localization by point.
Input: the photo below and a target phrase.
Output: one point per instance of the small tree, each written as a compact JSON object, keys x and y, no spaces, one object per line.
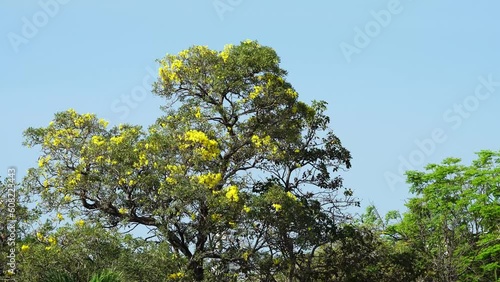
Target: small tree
{"x":453,"y":222}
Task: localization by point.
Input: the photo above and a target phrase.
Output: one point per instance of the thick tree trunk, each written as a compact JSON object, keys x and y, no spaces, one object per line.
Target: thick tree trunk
{"x":196,"y":263}
{"x":196,"y":267}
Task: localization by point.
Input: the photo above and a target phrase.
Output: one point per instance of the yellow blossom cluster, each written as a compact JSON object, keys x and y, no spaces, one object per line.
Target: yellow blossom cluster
{"x":232,"y":193}
{"x":277,"y":207}
{"x":116,"y":139}
{"x":291,"y":93}
{"x":104,"y":123}
{"x":98,"y":140}
{"x":60,"y":136}
{"x":73,"y":179}
{"x":176,"y":65}
{"x":52,"y":241}
{"x":184,"y":54}
{"x":245,"y":255}
{"x":204,"y":50}
{"x":216,"y":217}
{"x":177,"y":275}
{"x":207,"y":148}
{"x":166,"y":75}
{"x":224,"y":54}
{"x":198,"y":113}
{"x":169,"y":72}
{"x":123,"y":210}
{"x":143,"y":160}
{"x":210,"y":180}
{"x":291,"y":196}
{"x":43,"y":161}
{"x":259,"y":142}
{"x":257,"y":90}
{"x":80,"y":223}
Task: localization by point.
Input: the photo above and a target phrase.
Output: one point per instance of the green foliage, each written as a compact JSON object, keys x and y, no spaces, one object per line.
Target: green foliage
{"x":81,"y":251}
{"x":238,"y":181}
{"x":237,"y":167}
{"x":453,"y":221}
{"x":53,"y":276}
{"x":106,"y":276}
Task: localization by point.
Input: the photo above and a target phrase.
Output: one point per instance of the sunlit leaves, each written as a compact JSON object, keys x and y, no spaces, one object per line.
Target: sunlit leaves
{"x":453,"y":220}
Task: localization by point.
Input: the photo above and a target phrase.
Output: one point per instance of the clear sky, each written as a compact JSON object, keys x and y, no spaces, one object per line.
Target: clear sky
{"x":407,"y":82}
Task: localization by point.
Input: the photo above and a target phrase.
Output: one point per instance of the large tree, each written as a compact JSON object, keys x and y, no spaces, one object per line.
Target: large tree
{"x":239,"y":176}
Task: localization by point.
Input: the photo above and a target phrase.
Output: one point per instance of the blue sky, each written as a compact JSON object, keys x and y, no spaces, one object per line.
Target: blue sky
{"x":395,"y":73}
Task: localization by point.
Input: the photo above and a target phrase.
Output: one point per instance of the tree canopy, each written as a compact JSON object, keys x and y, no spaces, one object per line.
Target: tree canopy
{"x":238,"y":180}
{"x":237,"y":172}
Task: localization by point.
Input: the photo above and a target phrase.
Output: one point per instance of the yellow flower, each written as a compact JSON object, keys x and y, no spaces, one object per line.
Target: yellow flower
{"x":225,"y":53}
{"x":25,"y":248}
{"x":256,"y":92}
{"x":98,"y":140}
{"x":184,"y":53}
{"x":103,"y":122}
{"x":67,"y":198}
{"x":56,"y":141}
{"x":176,"y":275}
{"x":39,"y":236}
{"x":59,"y":216}
{"x":291,"y":196}
{"x":80,"y":223}
{"x":143,"y":161}
{"x":176,"y":65}
{"x":171,"y":180}
{"x":277,"y":207}
{"x":216,"y":216}
{"x":52,"y":240}
{"x":259,"y":142}
{"x":122,"y":210}
{"x":291,"y":93}
{"x":207,"y":148}
{"x":43,"y":161}
{"x":232,"y":193}
{"x":245,"y":255}
{"x":198,"y":113}
{"x":116,"y":139}
{"x":210,"y":180}
{"x":246,"y":209}
{"x":48,"y":248}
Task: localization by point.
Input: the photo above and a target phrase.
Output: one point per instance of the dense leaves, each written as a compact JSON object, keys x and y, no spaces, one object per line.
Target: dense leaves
{"x":238,"y":181}
{"x":453,"y":222}
{"x":237,"y":171}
